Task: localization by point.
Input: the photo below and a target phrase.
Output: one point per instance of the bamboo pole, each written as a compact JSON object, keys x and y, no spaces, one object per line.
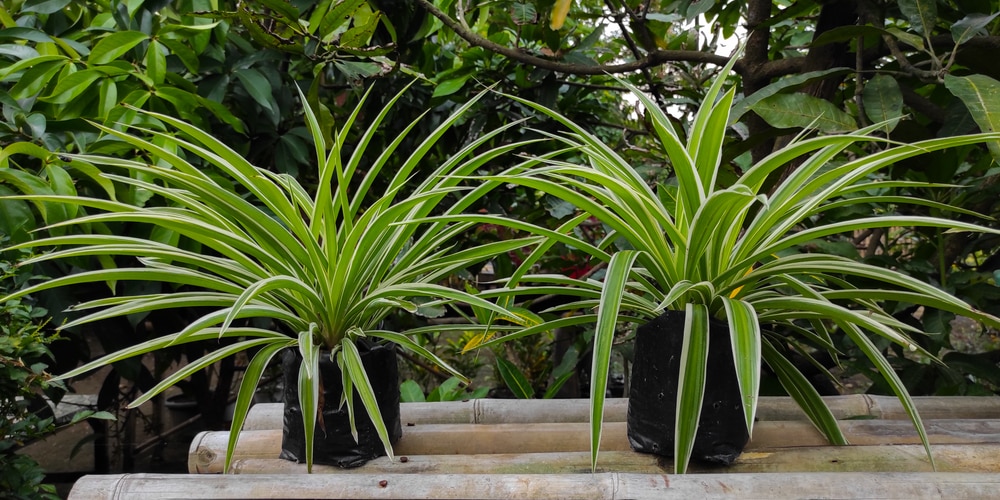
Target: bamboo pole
{"x":207,"y":452}
{"x":842,"y":459}
{"x":610,"y":485}
{"x":498,"y":411}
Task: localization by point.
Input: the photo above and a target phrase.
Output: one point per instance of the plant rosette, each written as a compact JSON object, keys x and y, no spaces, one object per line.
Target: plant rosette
{"x":732,"y":253}
{"x":326,"y":267}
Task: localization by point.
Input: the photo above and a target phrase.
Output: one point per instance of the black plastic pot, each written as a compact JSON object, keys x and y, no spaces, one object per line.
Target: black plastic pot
{"x":334,"y":444}
{"x":722,"y":431}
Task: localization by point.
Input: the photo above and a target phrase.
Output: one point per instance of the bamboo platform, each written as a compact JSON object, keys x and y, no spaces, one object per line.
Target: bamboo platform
{"x":539,"y":449}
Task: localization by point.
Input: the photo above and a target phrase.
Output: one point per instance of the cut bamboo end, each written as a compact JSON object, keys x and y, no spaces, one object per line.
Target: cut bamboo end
{"x":611,"y":485}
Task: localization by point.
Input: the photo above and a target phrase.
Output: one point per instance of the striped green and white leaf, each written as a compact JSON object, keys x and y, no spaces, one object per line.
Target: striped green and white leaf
{"x":731,"y":251}
{"x":322,"y":264}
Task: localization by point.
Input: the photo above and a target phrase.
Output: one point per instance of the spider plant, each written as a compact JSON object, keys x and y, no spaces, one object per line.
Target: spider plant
{"x":327,"y":267}
{"x":732,"y":252}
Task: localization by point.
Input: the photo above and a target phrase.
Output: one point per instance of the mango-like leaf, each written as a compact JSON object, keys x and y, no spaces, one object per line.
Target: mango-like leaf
{"x":114,"y":46}
{"x":82,"y":415}
{"x":449,"y":87}
{"x":156,"y":62}
{"x":786,"y":84}
{"x":803,"y":111}
{"x":283,"y":8}
{"x":981,"y":94}
{"x":44,"y":6}
{"x":40,"y":72}
{"x":922,"y":14}
{"x":107,"y":97}
{"x":257,"y":86}
{"x":846,"y":33}
{"x":514,"y":379}
{"x":971,"y":25}
{"x":908,"y":38}
{"x":360,"y":34}
{"x":883,"y":101}
{"x":73,"y":86}
{"x":340,"y":12}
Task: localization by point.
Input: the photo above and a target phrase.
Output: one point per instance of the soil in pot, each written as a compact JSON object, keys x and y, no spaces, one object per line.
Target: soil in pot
{"x":722,"y":432}
{"x":334,"y":444}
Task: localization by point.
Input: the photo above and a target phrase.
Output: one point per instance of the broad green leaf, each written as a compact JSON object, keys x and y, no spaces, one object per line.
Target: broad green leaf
{"x":156,"y":62}
{"x":360,"y":34}
{"x":514,"y":379}
{"x":883,"y":101}
{"x":556,"y":385}
{"x":257,"y":86}
{"x":805,"y":111}
{"x":16,"y":218}
{"x":188,"y":29}
{"x":44,"y":6}
{"x":410,"y":392}
{"x":80,"y":416}
{"x":36,"y":124}
{"x":846,"y":34}
{"x":971,"y":25}
{"x":340,"y":13}
{"x":186,"y":55}
{"x":690,"y":383}
{"x":73,"y":86}
{"x":981,"y":94}
{"x":284,"y":8}
{"x":449,"y":87}
{"x":922,"y":14}
{"x":107,"y":97}
{"x":35,"y":79}
{"x":18,"y":51}
{"x":908,"y":38}
{"x":22,"y":148}
{"x":788,"y":83}
{"x":523,"y":13}
{"x":29,"y":34}
{"x":114,"y":46}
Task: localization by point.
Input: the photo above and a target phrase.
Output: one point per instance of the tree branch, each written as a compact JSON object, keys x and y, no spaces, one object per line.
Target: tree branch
{"x":653,"y":87}
{"x":652,"y":59}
